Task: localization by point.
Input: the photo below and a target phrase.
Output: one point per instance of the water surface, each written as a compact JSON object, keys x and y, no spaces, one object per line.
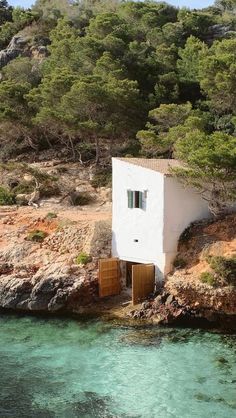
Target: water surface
{"x":68,"y":368}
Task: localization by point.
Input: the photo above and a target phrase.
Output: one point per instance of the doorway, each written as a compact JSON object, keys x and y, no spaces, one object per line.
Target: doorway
{"x":129,"y":267}
{"x":139,"y":279}
{"x":143,"y":282}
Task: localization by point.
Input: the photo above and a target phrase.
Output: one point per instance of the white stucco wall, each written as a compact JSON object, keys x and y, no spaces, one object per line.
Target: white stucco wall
{"x":181,"y":207}
{"x":169,"y":209}
{"x":145,"y":225}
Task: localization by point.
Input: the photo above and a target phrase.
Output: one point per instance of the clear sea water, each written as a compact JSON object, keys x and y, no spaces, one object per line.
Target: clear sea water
{"x":68,"y":368}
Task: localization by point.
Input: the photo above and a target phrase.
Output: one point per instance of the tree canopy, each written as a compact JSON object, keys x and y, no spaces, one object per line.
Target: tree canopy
{"x":122,"y":77}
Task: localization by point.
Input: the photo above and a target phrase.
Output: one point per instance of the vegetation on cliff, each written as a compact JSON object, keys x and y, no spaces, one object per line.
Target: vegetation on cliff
{"x":85,"y":76}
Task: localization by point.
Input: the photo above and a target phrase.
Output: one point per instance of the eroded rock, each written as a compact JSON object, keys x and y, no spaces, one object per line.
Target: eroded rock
{"x":13,"y":50}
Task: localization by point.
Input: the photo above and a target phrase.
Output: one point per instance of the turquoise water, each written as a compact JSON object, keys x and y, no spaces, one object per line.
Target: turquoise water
{"x":67,"y":368}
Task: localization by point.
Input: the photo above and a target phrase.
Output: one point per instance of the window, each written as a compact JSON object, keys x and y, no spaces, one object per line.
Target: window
{"x":135,"y":199}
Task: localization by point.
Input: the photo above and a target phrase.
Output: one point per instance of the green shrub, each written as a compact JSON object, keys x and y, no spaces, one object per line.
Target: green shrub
{"x":225,"y":268}
{"x":208,"y":278}
{"x":81,"y":199}
{"x":37,"y":236}
{"x":85,"y":151}
{"x":51,"y":215}
{"x":40,"y":175}
{"x":6,"y":197}
{"x":49,"y":189}
{"x":12,"y":148}
{"x":24,"y":188}
{"x":12,"y":166}
{"x":83,"y":258}
{"x":179,"y":263}
{"x":102,"y":178}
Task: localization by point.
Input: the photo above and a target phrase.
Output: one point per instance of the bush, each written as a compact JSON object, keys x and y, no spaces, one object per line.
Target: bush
{"x":6,"y":197}
{"x":102,"y":178}
{"x":49,"y":189}
{"x":86,"y":151}
{"x":83,"y":258}
{"x":179,"y":263}
{"x":225,"y":268}
{"x":81,"y":199}
{"x":208,"y":278}
{"x":37,"y":236}
{"x":51,"y":215}
{"x":23,"y":188}
{"x":40,"y":175}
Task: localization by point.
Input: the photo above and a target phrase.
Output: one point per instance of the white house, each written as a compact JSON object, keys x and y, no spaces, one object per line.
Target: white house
{"x":150,"y":211}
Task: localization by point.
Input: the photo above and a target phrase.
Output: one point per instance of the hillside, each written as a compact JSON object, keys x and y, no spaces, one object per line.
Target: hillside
{"x":49,"y":261}
{"x":83,"y":81}
{"x":202,"y":287}
{"x":83,"y":76}
{"x":207,"y":282}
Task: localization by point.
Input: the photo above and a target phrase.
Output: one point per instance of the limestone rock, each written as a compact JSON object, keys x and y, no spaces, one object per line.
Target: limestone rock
{"x":14,"y":49}
{"x":50,"y":294}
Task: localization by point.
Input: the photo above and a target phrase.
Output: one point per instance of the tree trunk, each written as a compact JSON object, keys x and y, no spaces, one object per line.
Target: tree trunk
{"x":72,"y":147}
{"x":97,"y":144}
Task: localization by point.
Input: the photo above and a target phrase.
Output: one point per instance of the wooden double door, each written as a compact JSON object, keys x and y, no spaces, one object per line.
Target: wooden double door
{"x":143,"y":281}
{"x":142,"y":277}
{"x":109,"y":277}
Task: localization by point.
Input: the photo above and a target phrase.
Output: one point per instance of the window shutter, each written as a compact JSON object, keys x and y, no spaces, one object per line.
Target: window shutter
{"x":130,"y":199}
{"x":140,"y":200}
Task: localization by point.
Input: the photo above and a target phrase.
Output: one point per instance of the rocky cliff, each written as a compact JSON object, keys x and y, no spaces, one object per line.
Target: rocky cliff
{"x":20,"y":45}
{"x":202,"y":288}
{"x":39,"y":266}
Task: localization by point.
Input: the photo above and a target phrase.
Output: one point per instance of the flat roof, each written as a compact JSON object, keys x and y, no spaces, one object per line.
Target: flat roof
{"x":162,"y":166}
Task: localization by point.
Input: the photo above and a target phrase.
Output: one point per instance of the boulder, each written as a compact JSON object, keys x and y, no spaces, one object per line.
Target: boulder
{"x":50,"y":294}
{"x":13,"y":50}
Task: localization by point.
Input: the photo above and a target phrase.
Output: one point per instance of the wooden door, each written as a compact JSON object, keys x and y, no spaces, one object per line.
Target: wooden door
{"x":143,"y":281}
{"x":109,"y":277}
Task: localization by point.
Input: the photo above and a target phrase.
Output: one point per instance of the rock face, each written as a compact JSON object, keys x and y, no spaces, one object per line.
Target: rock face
{"x":207,"y":299}
{"x":19,"y":45}
{"x":44,"y":276}
{"x":50,"y":294}
{"x":169,"y":309}
{"x":220,"y":31}
{"x":185,"y":297}
{"x":14,"y":49}
{"x":165,"y":310}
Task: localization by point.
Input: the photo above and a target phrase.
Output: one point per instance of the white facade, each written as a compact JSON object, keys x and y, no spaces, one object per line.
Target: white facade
{"x":150,"y":234}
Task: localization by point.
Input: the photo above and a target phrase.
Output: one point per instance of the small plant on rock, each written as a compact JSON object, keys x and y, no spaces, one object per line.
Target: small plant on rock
{"x":224,"y":268}
{"x":208,"y":278}
{"x":24,"y":187}
{"x":6,"y":197}
{"x":102,"y":178}
{"x":37,"y":236}
{"x":179,"y":263}
{"x":51,"y":215}
{"x":83,"y":258}
{"x":81,"y":199}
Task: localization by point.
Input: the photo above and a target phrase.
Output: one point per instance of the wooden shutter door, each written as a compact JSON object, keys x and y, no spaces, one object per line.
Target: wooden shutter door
{"x":109,"y":277}
{"x":143,"y":281}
